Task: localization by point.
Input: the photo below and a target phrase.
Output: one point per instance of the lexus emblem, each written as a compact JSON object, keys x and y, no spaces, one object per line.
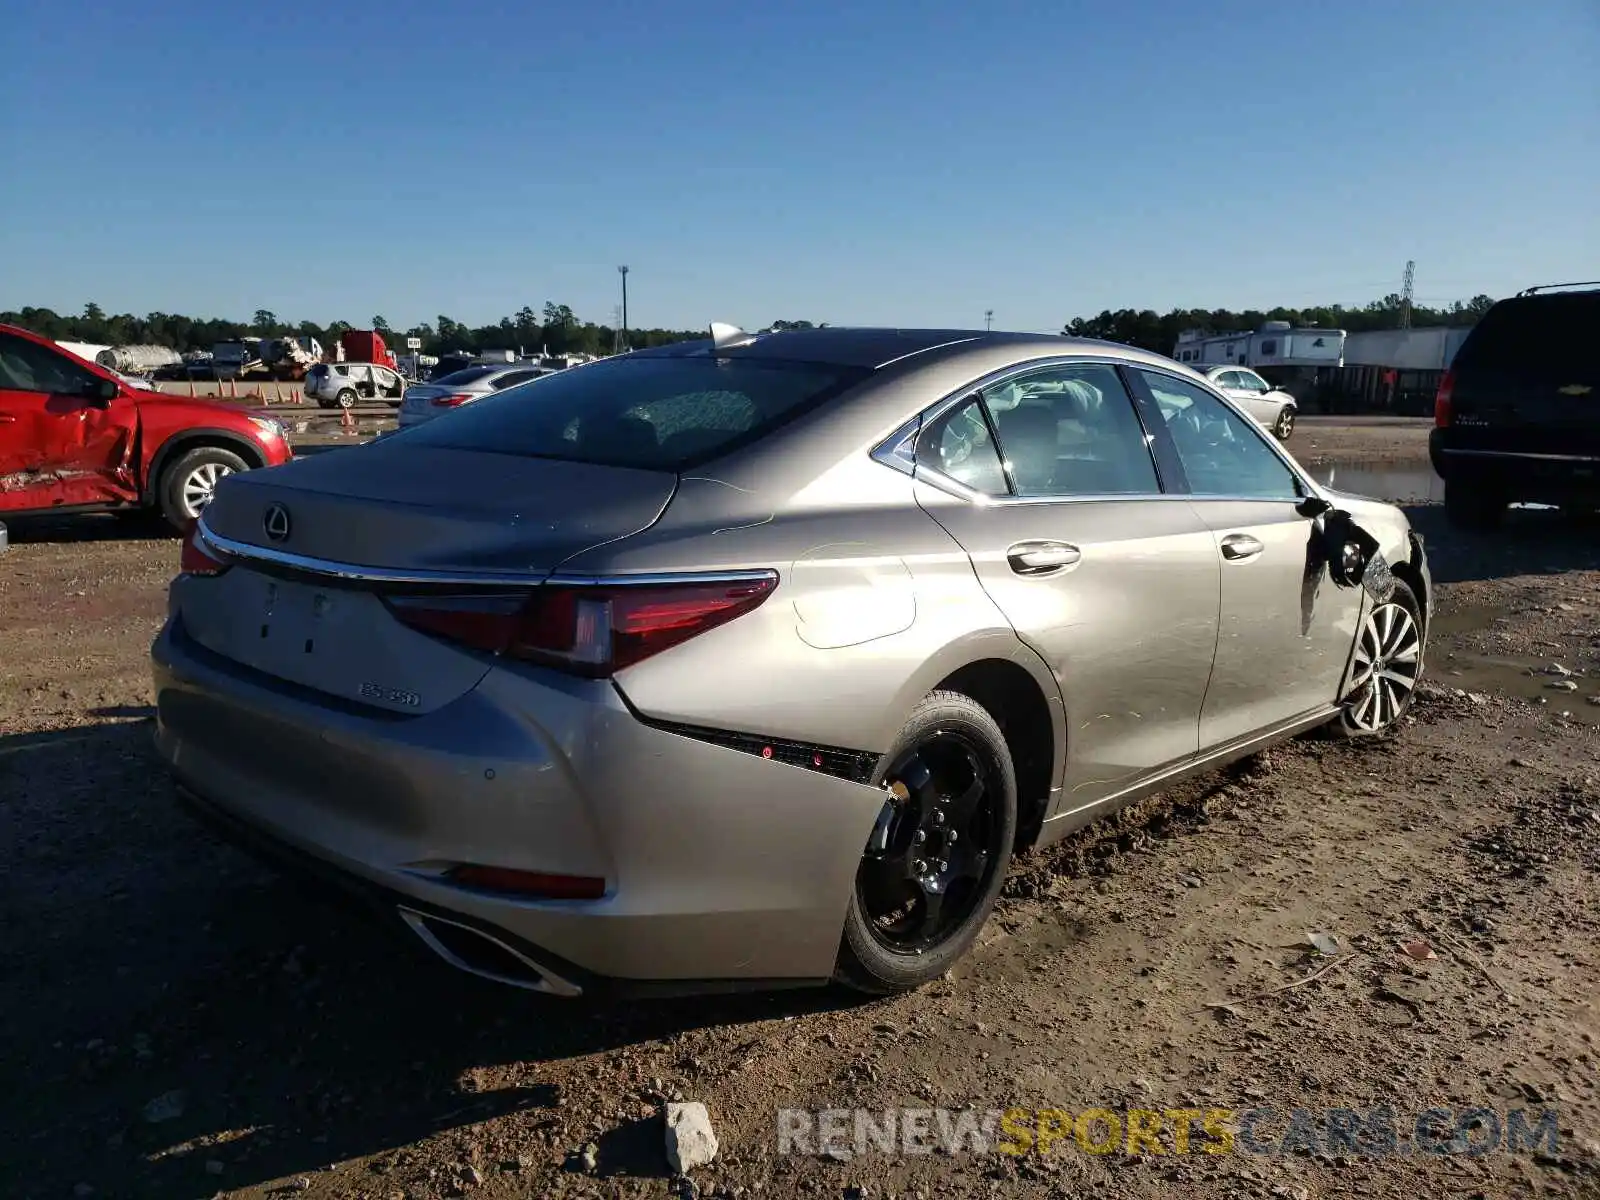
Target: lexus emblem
{"x":276,"y":522}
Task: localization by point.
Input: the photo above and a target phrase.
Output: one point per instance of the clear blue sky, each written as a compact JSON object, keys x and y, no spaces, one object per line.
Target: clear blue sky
{"x":876,"y":162}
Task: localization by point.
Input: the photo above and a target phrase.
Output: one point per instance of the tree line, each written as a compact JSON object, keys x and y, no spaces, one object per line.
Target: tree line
{"x":1150,"y":330}
{"x":557,"y":330}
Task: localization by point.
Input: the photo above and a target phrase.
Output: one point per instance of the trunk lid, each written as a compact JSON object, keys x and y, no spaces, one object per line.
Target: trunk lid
{"x":1528,"y":372}
{"x":400,"y":511}
{"x":397,"y":507}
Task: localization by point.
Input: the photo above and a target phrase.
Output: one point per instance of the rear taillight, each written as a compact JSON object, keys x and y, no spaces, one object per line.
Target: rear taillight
{"x":585,"y":629}
{"x":453,"y":400}
{"x":198,"y":558}
{"x":1441,"y":399}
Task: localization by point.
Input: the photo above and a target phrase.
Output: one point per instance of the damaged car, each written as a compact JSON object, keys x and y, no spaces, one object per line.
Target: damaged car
{"x":76,"y":437}
{"x":753,"y":661}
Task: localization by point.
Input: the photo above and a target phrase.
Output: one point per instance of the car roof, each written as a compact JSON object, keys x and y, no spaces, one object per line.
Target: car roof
{"x":875,"y":348}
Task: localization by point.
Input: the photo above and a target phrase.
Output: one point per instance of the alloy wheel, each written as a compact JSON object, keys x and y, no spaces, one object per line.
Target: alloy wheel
{"x":1388,"y":661}
{"x":1285,"y":425}
{"x":200,"y":485}
{"x":933,"y":848}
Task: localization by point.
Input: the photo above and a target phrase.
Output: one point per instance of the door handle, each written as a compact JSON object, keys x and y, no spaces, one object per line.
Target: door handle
{"x":1041,"y":558}
{"x":1240,"y":547}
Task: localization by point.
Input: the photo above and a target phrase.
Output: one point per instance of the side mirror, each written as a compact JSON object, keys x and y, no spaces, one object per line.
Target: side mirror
{"x":101,"y":392}
{"x":1313,"y":507}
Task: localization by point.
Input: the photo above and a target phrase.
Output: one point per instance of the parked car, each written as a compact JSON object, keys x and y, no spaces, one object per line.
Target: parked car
{"x":1517,"y":416}
{"x":424,"y":401}
{"x":754,"y":660}
{"x":345,"y":384}
{"x":1271,"y":406}
{"x":76,"y":436}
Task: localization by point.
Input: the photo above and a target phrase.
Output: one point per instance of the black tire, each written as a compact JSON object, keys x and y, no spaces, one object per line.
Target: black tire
{"x":176,"y":475}
{"x":1348,"y":725}
{"x":1283,"y":427}
{"x":345,"y":399}
{"x":1472,"y":508}
{"x":944,"y":727}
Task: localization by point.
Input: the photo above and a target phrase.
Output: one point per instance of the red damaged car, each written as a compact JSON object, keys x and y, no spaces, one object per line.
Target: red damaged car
{"x":76,"y":438}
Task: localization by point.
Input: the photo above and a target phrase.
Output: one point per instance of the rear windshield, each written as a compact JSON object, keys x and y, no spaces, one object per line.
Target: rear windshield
{"x":1544,"y":336}
{"x":465,"y":375}
{"x":657,"y":413}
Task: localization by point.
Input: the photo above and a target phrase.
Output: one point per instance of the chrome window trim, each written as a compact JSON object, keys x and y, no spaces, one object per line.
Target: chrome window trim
{"x":358,"y":573}
{"x":885,"y":451}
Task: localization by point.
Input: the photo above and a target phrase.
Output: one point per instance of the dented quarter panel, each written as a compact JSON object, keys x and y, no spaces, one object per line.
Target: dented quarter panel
{"x":876,"y":604}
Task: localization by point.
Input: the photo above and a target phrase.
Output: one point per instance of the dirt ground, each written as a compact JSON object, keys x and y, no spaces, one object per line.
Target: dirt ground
{"x":177,"y":1022}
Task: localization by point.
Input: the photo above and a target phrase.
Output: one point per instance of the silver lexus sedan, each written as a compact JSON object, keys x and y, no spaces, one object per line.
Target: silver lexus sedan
{"x":754,"y":660}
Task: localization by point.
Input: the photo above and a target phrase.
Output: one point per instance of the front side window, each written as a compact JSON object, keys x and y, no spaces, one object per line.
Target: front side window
{"x":1251,"y":382}
{"x":958,"y":444}
{"x":1071,"y":430}
{"x":1222,"y":453}
{"x":29,"y":367}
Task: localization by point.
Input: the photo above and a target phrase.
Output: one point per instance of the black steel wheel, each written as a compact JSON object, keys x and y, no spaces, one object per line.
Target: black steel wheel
{"x":938,"y":853}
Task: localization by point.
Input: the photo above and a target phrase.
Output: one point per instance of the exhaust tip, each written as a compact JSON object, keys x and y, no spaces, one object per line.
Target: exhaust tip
{"x":482,"y":954}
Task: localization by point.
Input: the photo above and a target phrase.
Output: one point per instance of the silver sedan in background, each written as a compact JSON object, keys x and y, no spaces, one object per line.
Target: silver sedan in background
{"x":424,"y":401}
{"x":1271,"y":406}
{"x":753,"y":660}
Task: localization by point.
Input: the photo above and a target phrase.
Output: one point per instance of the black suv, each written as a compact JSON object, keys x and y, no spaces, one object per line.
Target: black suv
{"x":1517,"y":417}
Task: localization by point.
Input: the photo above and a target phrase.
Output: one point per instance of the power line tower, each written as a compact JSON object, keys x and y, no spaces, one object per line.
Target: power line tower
{"x":1405,"y":294}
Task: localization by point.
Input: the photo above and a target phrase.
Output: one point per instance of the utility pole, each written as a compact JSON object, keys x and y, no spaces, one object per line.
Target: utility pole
{"x":988,"y":318}
{"x":623,"y":271}
{"x":1405,"y":295}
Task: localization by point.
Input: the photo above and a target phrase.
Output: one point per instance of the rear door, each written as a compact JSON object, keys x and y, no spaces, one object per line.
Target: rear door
{"x":61,"y":444}
{"x":1111,"y":582}
{"x":1286,"y":630}
{"x":1527,"y":379}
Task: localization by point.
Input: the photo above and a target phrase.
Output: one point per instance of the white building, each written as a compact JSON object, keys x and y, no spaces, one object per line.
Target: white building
{"x":1429,"y":349}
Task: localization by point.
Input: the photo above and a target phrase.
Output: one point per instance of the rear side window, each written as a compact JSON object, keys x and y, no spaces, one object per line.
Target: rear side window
{"x":655,"y":413}
{"x":1539,"y":336}
{"x":467,"y":375}
{"x":959,"y":445}
{"x":1071,"y":431}
{"x":512,"y":378}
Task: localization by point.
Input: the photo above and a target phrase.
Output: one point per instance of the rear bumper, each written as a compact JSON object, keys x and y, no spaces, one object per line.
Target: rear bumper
{"x":1552,"y":476}
{"x":722,"y":869}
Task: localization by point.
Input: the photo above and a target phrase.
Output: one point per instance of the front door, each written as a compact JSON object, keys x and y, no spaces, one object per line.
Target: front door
{"x":1113,"y":584}
{"x":1286,"y":630}
{"x":61,"y":445}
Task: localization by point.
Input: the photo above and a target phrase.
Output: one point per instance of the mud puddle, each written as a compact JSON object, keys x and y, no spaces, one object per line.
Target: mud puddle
{"x":1470,"y":650}
{"x":1403,"y":482}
